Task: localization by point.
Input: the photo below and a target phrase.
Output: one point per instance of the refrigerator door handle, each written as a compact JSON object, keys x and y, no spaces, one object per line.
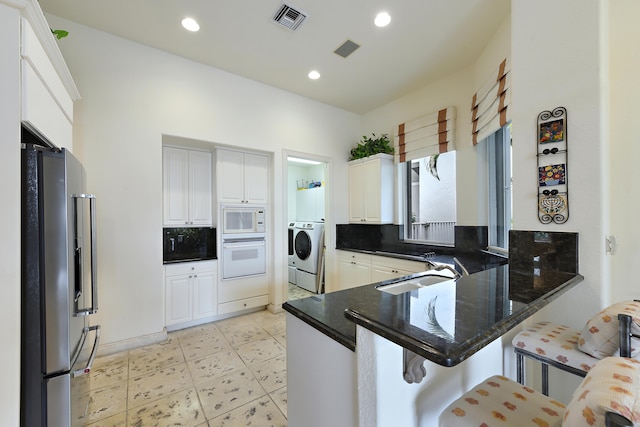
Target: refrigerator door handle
{"x":94,"y":259}
{"x":94,"y":350}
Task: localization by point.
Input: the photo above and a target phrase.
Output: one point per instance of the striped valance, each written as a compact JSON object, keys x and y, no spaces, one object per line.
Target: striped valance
{"x":425,"y":136}
{"x":489,"y":106}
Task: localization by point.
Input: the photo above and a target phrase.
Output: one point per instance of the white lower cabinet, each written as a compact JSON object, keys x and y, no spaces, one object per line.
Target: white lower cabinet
{"x":386,"y":268}
{"x":354,"y":270}
{"x":190,"y":293}
{"x":242,"y":293}
{"x":381,"y":273}
{"x":357,"y":269}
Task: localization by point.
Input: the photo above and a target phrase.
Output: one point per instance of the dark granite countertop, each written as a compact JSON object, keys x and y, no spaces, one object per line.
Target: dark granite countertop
{"x":468,"y":313}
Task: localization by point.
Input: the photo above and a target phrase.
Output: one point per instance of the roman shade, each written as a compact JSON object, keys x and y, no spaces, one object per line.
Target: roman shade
{"x":425,"y":136}
{"x":489,"y":106}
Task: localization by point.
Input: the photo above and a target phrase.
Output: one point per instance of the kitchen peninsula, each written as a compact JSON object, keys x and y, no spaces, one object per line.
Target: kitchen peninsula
{"x":355,"y":340}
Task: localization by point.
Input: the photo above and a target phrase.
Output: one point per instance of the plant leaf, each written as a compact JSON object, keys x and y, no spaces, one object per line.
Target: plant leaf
{"x":432,"y":166}
{"x":60,"y":34}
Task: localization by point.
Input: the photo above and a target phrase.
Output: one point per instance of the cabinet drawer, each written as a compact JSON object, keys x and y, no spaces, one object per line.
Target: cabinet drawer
{"x":399,"y":264}
{"x":196,"y":267}
{"x":355,"y":256}
{"x":243,"y":304}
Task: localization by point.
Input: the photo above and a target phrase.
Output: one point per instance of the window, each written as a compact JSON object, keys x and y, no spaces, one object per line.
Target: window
{"x":431,"y":199}
{"x":500,"y":205}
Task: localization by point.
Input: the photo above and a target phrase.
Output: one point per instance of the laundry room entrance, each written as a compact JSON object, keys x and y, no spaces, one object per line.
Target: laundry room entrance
{"x":305,"y":225}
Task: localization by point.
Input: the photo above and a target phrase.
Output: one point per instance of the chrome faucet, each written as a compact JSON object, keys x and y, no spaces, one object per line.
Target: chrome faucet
{"x":440,"y":267}
{"x":465,"y":272}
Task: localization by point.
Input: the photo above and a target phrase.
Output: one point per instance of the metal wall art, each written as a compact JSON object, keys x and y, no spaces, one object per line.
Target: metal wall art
{"x":553,"y":188}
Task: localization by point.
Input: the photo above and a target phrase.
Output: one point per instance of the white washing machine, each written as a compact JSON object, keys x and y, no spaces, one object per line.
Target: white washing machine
{"x":291,"y":253}
{"x":308,"y":245}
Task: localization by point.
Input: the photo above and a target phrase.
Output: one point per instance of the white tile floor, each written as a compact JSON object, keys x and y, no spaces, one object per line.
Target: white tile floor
{"x":226,"y":373}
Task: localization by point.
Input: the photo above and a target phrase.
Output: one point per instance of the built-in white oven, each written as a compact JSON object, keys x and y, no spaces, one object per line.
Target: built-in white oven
{"x":243,"y":257}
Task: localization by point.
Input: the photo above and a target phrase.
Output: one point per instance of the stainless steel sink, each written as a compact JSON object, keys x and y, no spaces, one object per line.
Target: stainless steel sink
{"x":412,"y":284}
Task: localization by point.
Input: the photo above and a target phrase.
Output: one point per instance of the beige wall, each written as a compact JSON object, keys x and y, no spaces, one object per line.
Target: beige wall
{"x":131,"y":96}
{"x":624,"y":130}
{"x":559,"y":59}
{"x":10,"y":215}
{"x":455,"y":90}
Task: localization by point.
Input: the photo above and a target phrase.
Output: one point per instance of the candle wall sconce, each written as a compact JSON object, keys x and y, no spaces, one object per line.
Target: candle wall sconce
{"x":552,"y":149}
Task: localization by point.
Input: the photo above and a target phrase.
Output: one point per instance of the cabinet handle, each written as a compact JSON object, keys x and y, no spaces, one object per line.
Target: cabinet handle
{"x":190,"y":277}
{"x":195,"y":275}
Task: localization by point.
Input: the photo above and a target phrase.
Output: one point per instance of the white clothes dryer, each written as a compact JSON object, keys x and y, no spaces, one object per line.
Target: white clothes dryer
{"x":309,"y":250}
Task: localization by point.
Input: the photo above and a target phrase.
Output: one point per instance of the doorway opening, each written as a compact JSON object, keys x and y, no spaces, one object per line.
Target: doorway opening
{"x":306,"y":225}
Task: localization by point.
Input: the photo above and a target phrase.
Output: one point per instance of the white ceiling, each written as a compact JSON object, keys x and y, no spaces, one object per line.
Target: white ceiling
{"x":426,"y":40}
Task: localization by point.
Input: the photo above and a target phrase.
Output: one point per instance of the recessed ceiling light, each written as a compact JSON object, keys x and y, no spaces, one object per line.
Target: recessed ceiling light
{"x":382,"y":19}
{"x":314,"y":75}
{"x":190,"y":24}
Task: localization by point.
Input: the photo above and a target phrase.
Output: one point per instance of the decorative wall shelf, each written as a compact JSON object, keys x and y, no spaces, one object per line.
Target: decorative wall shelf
{"x":552,"y":149}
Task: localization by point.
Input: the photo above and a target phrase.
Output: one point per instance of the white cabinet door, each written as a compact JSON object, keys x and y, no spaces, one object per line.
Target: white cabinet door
{"x":230,"y":176}
{"x":256,"y":171}
{"x":178,"y":299}
{"x":242,"y":177}
{"x":371,"y":190}
{"x":204,"y":295}
{"x":354,"y":269}
{"x":200,"y":188}
{"x":356,"y":192}
{"x":380,"y":273}
{"x":175,"y":178}
{"x":385,"y":268}
{"x":355,"y":274}
{"x":187,"y":187}
{"x":190,"y":292}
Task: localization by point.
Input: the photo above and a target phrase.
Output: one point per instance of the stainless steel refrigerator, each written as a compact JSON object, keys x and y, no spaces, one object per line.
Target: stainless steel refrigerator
{"x":59,"y":288}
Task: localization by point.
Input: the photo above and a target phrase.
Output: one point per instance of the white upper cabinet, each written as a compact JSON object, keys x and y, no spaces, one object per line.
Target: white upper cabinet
{"x":242,"y":177}
{"x":48,"y":92}
{"x":187,"y":187}
{"x":371,"y":190}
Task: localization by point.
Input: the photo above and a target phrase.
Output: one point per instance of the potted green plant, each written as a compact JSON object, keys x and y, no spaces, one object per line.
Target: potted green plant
{"x":370,"y":146}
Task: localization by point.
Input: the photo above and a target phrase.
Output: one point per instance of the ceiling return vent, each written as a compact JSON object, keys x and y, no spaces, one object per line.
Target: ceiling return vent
{"x":346,"y":48}
{"x":289,"y":17}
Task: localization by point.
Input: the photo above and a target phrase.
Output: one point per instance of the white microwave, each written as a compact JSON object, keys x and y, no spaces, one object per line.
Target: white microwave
{"x":243,"y":221}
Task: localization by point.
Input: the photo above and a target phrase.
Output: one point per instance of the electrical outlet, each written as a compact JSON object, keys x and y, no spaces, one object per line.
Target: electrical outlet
{"x":611,"y":246}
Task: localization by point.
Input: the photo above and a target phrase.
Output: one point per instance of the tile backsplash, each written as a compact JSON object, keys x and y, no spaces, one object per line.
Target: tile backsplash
{"x":389,"y":237}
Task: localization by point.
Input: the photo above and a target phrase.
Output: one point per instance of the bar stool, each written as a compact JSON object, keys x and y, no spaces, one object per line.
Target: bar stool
{"x":609,"y":396}
{"x":613,"y":331}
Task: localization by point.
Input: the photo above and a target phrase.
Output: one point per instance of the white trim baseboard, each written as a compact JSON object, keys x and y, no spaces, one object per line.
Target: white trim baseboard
{"x":131,"y":343}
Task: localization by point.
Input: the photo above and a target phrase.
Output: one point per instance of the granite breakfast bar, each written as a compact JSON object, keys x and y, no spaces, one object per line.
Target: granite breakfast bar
{"x":359,"y":339}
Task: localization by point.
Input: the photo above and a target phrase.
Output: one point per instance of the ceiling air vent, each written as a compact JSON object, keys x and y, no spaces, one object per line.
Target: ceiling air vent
{"x":289,"y":17}
{"x":346,"y":49}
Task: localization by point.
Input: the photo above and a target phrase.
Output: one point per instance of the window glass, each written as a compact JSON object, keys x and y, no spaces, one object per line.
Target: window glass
{"x":431,"y":199}
{"x":500,"y":188}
